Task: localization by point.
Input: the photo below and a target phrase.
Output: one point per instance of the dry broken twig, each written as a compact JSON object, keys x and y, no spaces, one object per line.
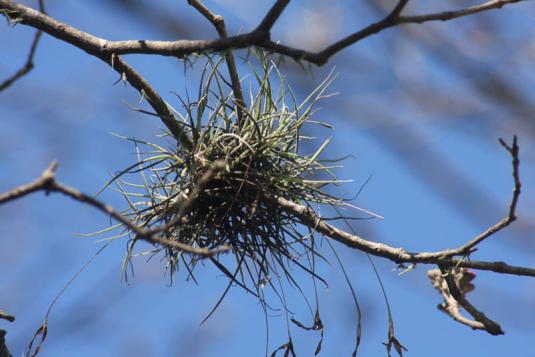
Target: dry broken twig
{"x":453,"y":284}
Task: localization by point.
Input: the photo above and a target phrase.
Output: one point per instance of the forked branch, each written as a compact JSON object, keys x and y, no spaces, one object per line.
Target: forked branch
{"x":400,"y":255}
{"x":511,"y":216}
{"x":260,"y":36}
{"x":110,"y":51}
{"x":18,"y":13}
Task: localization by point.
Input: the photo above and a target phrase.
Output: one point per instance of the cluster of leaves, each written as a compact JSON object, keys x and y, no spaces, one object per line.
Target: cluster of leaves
{"x":221,"y":191}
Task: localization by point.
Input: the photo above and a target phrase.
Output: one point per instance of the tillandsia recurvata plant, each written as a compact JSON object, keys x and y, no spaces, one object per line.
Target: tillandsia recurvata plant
{"x":221,"y":191}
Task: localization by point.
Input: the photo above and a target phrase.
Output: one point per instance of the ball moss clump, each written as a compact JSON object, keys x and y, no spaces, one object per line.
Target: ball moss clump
{"x":222,"y":189}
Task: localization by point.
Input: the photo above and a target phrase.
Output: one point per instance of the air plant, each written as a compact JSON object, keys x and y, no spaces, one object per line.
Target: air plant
{"x":222,"y":190}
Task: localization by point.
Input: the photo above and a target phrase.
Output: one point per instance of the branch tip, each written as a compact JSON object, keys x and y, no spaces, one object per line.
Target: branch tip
{"x":6,"y":316}
{"x":51,"y":169}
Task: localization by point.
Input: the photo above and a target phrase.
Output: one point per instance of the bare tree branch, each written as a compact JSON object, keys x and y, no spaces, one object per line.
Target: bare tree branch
{"x":163,"y":111}
{"x":103,"y":48}
{"x":400,"y":255}
{"x":273,"y":15}
{"x":28,"y":66}
{"x":511,"y":217}
{"x":397,"y":255}
{"x":92,"y":45}
{"x":47,"y":183}
{"x":450,"y":15}
{"x":497,"y":267}
{"x":393,"y":19}
{"x":259,"y":37}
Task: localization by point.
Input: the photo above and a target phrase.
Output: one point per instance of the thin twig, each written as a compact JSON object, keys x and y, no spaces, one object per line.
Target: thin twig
{"x":29,"y":65}
{"x":47,"y":183}
{"x":511,"y":216}
{"x":219,"y":24}
{"x":398,"y":9}
{"x":393,"y":19}
{"x":273,"y":14}
{"x":98,"y":48}
{"x":450,"y":15}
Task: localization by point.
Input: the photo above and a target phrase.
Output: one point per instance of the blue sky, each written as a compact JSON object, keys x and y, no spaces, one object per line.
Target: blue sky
{"x":418,"y":109}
